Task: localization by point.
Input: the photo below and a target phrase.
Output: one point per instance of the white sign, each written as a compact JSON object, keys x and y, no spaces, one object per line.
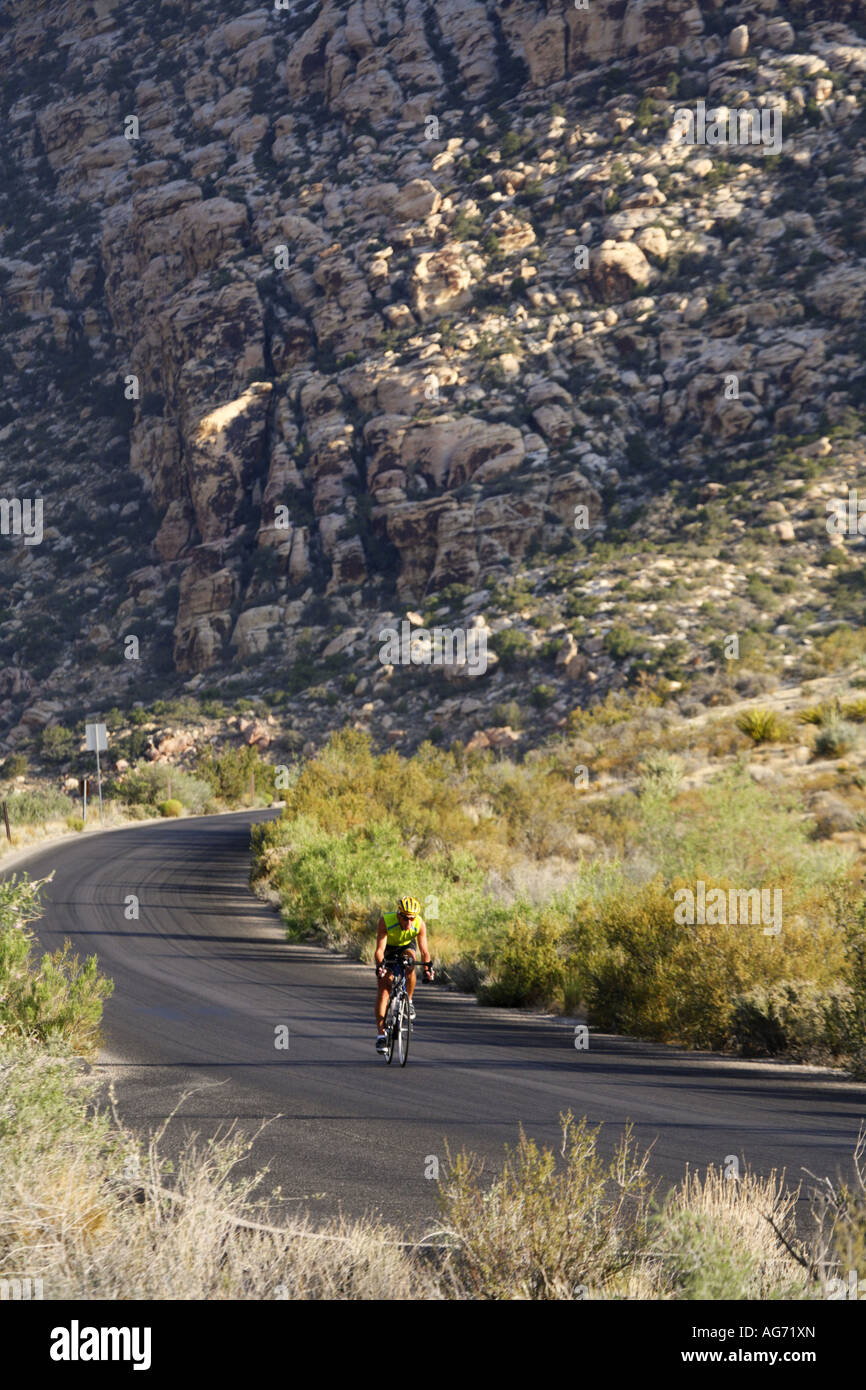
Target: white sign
{"x":97,"y":739}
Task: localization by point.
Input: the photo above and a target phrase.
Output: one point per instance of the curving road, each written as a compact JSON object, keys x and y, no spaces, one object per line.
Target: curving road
{"x":204,"y":977}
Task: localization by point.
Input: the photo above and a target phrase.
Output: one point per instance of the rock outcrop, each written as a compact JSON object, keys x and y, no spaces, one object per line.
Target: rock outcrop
{"x":310,"y":312}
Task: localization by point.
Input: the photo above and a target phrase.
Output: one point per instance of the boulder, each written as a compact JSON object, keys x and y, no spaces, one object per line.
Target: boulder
{"x":618,"y":270}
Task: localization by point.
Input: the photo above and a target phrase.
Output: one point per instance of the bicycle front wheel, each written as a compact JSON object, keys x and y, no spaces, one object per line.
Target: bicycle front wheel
{"x":390,"y":1026}
{"x":403,"y":1029}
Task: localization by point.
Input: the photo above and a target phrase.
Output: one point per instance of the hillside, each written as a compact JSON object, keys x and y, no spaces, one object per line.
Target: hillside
{"x":321,"y":320}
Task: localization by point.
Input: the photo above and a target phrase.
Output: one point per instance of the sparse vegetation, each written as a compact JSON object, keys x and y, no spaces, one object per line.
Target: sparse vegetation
{"x":477,"y":836}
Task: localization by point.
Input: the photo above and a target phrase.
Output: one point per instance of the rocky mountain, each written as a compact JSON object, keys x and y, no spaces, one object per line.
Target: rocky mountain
{"x":318,"y":319}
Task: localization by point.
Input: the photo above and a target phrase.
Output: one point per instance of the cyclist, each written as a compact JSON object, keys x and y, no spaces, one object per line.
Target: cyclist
{"x":398,"y":933}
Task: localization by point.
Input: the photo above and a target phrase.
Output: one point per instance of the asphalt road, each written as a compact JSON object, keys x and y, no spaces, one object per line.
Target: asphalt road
{"x":205,"y":977}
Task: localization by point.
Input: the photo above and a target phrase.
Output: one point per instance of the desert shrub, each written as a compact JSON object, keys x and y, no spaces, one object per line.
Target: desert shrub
{"x":51,"y":998}
{"x":793,"y":1017}
{"x":523,"y":918}
{"x":37,"y":807}
{"x":14,"y":766}
{"x":545,"y":1229}
{"x":849,"y":917}
{"x":543,"y":695}
{"x":336,"y":885}
{"x":228,"y":771}
{"x":551,"y":1224}
{"x":855,"y":710}
{"x":527,"y":968}
{"x":511,"y":646}
{"x":662,"y":770}
{"x":620,"y":642}
{"x":729,"y":828}
{"x":57,"y":744}
{"x":347,"y":785}
{"x":172,"y":807}
{"x":835,"y":737}
{"x":842,"y":647}
{"x":74,"y":823}
{"x":149,"y":784}
{"x":507,"y":712}
{"x":713,"y":1239}
{"x":651,"y":975}
{"x":840,"y":1212}
{"x":618,"y":707}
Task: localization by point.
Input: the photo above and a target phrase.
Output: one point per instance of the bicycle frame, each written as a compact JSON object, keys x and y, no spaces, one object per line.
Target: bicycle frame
{"x":398,"y":1001}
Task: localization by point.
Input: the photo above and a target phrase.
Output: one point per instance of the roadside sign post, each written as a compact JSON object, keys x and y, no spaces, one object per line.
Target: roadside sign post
{"x":6,"y":819}
{"x":97,"y":740}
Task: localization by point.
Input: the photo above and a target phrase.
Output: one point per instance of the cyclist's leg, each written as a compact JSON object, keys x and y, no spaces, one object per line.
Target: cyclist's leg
{"x":384,"y":987}
{"x":382,"y":993}
{"x":410,"y":978}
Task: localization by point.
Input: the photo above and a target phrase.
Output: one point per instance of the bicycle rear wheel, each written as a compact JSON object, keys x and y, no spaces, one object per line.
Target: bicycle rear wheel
{"x":404,"y":1024}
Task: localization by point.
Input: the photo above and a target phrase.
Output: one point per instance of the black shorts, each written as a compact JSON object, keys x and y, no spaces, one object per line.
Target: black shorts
{"x":393,"y":953}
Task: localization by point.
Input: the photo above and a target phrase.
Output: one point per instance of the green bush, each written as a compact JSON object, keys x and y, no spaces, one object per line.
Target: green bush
{"x":171,"y":807}
{"x":511,"y":646}
{"x":37,"y":807}
{"x":527,"y":969}
{"x":507,"y":712}
{"x":705,"y":1259}
{"x":57,"y":744}
{"x":661,"y":771}
{"x":335,"y":885}
{"x":835,"y":737}
{"x":543,"y":695}
{"x":648,"y":974}
{"x":228,"y":771}
{"x":14,"y":766}
{"x":796,"y":1018}
{"x":150,"y":784}
{"x":620,"y":642}
{"x":75,"y":822}
{"x":48,"y":999}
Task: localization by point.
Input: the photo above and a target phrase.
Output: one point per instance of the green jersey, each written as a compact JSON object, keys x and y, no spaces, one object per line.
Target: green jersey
{"x":399,"y":935}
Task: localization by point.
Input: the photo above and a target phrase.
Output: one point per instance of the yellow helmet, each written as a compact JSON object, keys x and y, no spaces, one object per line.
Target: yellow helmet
{"x":409,"y":907}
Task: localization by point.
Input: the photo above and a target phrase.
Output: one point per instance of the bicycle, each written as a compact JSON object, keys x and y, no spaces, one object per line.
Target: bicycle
{"x":398,"y":1022}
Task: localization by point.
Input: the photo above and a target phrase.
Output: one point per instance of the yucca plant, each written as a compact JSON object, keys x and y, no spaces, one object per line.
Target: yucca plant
{"x":762,"y":726}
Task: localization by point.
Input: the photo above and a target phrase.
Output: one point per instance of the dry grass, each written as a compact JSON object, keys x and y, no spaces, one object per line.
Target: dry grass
{"x":97,"y":1214}
{"x":94,"y":1214}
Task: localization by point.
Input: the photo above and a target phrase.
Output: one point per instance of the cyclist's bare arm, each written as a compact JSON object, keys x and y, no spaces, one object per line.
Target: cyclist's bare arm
{"x":422,"y":943}
{"x":381,"y":938}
